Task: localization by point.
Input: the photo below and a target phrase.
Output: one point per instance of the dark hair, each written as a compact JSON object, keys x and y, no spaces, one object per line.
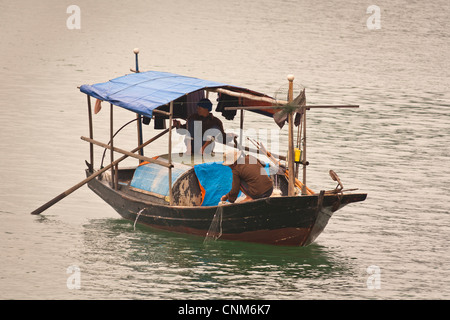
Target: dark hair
{"x":205,"y":103}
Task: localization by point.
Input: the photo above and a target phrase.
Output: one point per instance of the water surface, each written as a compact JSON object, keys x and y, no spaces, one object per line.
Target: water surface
{"x":394,"y":147}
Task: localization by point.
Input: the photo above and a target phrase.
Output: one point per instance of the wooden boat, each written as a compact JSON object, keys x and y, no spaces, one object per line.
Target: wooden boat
{"x":166,"y":193}
{"x":286,"y":220}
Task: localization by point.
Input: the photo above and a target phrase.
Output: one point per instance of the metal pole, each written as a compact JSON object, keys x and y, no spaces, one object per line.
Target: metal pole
{"x":139,"y":117}
{"x":136,"y":52}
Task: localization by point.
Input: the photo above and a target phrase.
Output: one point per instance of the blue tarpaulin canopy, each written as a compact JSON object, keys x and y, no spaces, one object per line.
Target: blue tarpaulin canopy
{"x":145,"y":91}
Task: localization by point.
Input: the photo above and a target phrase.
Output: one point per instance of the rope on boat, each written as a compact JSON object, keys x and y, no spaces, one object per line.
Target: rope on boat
{"x":215,"y":229}
{"x":137,"y":217}
{"x":114,"y":135}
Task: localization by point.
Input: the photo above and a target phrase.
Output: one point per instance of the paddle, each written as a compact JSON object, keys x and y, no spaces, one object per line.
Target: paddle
{"x":92,"y":176}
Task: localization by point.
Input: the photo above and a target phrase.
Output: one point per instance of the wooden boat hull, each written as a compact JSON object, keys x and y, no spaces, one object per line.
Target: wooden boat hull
{"x":287,"y":221}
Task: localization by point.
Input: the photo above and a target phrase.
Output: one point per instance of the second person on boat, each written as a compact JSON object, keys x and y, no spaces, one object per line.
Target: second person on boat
{"x":249,"y":176}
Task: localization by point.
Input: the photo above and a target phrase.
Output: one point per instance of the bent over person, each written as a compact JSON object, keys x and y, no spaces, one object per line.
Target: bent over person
{"x":249,"y":177}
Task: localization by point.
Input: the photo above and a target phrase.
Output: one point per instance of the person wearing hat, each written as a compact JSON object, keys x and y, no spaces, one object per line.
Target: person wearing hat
{"x":207,"y":121}
{"x":249,"y":176}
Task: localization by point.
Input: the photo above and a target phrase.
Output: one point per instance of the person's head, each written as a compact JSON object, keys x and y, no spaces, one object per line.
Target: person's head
{"x":231,"y":156}
{"x":204,"y":106}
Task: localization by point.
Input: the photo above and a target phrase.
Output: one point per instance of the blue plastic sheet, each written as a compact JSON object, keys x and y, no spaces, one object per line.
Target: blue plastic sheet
{"x":154,"y":178}
{"x":143,"y":92}
{"x":215,"y":179}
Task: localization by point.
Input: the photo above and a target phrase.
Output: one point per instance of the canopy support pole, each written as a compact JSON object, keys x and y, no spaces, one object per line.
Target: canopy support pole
{"x":241,"y":126}
{"x":114,"y":169}
{"x":291,"y":185}
{"x":170,"y":153}
{"x":297,"y":146}
{"x":139,"y":133}
{"x":304,"y":153}
{"x":111,"y":135}
{"x":91,"y":134}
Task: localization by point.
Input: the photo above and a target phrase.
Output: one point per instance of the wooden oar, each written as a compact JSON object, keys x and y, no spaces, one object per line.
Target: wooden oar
{"x":92,"y":176}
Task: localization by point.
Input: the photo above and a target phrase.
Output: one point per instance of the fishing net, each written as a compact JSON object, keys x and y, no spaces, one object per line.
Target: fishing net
{"x":215,"y":229}
{"x":282,"y":93}
{"x":299,"y":97}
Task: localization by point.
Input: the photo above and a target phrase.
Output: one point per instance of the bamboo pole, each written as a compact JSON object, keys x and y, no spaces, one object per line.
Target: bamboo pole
{"x":139,"y":121}
{"x":275,"y":104}
{"x":111,"y":139}
{"x":297,"y":146}
{"x":161,"y":112}
{"x":170,"y":154}
{"x":61,"y":196}
{"x":241,"y":127}
{"x":91,"y":134}
{"x":248,"y":96}
{"x":127,"y":153}
{"x":139,"y":132}
{"x":277,"y":156}
{"x":280,"y":107}
{"x":271,"y":157}
{"x":291,"y":186}
{"x":304,"y":153}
